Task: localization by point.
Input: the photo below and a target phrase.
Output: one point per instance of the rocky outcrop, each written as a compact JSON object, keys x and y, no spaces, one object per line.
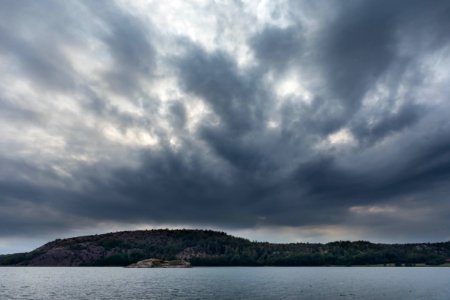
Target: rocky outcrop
{"x":158,"y":263}
{"x":119,"y":248}
{"x":192,"y":252}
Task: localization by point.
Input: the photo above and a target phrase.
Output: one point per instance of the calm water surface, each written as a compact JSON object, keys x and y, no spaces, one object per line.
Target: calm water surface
{"x":225,"y":283}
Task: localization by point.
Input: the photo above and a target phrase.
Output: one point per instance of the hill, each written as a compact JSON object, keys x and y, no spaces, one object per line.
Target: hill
{"x":212,"y":248}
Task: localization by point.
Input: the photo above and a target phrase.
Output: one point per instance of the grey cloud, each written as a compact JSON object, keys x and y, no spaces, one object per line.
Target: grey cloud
{"x":41,"y":62}
{"x":215,"y":77}
{"x":388,"y":123}
{"x":178,"y":114}
{"x":10,"y":111}
{"x":252,"y":158}
{"x":358,"y":47}
{"x":277,"y":47}
{"x":129,"y":42}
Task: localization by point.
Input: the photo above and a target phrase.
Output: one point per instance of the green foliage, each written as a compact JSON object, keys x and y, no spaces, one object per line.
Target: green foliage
{"x":17,"y":258}
{"x":12,"y":259}
{"x":109,"y":244}
{"x":114,"y":260}
{"x":434,"y":260}
{"x":210,"y":248}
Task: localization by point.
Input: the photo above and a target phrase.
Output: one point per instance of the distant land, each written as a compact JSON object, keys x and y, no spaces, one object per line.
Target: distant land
{"x":212,"y":248}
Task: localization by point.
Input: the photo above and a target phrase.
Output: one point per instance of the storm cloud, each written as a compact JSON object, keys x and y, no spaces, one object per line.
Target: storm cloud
{"x":315,"y":119}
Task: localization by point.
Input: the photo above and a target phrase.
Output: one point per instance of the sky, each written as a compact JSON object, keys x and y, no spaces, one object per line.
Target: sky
{"x":282,"y":121}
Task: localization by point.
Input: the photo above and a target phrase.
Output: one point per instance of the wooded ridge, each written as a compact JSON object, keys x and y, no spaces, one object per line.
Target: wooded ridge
{"x":212,"y":248}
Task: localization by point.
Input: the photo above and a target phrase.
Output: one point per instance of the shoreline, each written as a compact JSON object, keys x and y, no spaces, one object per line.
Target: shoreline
{"x":195,"y":267}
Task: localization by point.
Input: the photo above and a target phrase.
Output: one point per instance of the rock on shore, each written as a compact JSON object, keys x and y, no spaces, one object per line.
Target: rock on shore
{"x":158,"y":263}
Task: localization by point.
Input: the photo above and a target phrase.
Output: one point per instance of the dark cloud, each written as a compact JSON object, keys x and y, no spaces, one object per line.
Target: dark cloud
{"x":358,"y":48}
{"x":332,"y":119}
{"x":34,"y":50}
{"x":178,"y":114}
{"x":277,"y":47}
{"x":388,"y":122}
{"x":215,"y":77}
{"x":129,"y":43}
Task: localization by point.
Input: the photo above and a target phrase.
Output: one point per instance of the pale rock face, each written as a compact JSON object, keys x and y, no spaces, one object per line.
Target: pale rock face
{"x":191,"y":252}
{"x":158,"y":263}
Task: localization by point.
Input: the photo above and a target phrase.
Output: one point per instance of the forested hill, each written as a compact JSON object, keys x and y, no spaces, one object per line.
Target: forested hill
{"x":211,"y":248}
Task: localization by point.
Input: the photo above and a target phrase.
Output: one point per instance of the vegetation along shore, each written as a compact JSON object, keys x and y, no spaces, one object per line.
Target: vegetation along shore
{"x":212,"y":248}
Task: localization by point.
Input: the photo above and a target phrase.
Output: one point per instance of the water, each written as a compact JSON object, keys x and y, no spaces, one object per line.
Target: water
{"x":225,"y":283}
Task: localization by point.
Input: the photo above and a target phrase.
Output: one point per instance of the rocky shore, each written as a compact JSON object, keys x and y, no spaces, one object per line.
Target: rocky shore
{"x":158,"y":263}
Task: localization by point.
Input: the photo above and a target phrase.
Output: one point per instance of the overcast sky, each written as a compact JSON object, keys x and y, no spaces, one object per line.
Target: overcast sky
{"x":272,"y":120}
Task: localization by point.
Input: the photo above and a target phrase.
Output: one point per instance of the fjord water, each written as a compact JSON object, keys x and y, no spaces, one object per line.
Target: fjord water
{"x":225,"y":283}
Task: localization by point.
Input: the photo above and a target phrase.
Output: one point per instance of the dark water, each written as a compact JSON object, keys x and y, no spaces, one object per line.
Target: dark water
{"x":225,"y":283}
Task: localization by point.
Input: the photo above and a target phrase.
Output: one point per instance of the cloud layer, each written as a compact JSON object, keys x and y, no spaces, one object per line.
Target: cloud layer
{"x":321,"y":118}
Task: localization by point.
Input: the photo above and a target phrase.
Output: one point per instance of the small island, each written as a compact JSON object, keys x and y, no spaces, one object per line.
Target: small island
{"x":159,"y":263}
